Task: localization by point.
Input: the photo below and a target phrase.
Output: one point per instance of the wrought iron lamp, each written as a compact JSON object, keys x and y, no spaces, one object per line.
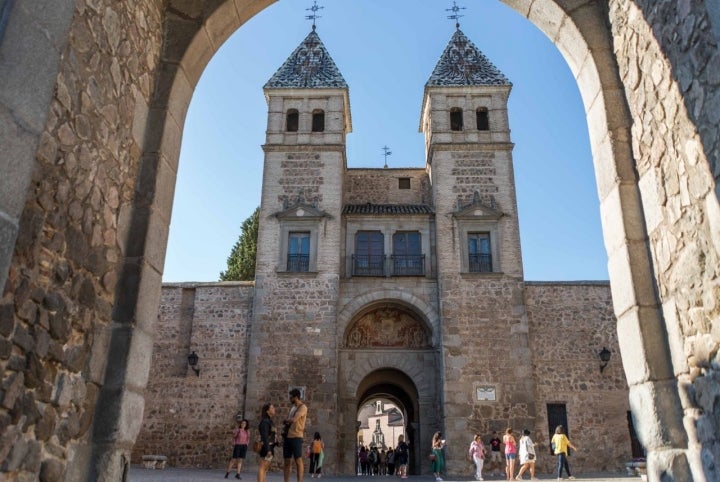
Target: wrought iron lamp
{"x":193,"y":361}
{"x":604,"y":358}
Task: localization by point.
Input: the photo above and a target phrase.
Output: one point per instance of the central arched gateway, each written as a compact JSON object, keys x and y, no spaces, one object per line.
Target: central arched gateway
{"x":403,"y":365}
{"x":397,"y":387}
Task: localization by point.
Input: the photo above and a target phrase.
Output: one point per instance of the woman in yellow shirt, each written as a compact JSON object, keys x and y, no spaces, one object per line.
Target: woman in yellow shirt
{"x":560,"y":444}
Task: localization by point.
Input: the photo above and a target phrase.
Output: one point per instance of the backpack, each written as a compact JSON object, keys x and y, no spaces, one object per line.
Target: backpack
{"x":372,"y":457}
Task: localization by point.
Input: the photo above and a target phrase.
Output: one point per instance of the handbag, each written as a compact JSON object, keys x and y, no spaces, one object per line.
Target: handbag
{"x":257,"y":446}
{"x":432,"y":457}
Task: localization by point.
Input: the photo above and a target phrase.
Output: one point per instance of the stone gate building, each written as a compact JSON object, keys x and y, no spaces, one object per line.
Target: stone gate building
{"x":403,"y":284}
{"x":93,"y":99}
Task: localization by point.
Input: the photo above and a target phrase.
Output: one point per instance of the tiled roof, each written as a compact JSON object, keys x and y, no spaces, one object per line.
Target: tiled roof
{"x":462,"y":63}
{"x":309,"y":66}
{"x":386,"y":209}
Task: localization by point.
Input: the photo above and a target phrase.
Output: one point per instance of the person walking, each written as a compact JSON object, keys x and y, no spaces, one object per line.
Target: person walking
{"x":294,"y":431}
{"x":560,"y":444}
{"x":526,"y":451}
{"x":402,"y":456}
{"x":495,"y":454}
{"x":510,"y":453}
{"x":437,"y":460}
{"x":316,"y":452}
{"x":240,"y":439}
{"x":268,"y":438}
{"x":477,"y":455}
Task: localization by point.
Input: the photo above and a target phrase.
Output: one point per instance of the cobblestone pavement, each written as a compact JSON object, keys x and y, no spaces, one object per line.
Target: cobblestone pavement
{"x":140,"y":474}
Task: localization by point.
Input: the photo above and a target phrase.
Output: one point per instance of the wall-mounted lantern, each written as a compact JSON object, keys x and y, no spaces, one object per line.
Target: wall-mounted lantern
{"x":604,"y":356}
{"x":193,"y":361}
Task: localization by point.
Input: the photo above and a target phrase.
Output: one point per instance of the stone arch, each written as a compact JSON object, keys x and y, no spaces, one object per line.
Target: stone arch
{"x":659,"y":229}
{"x":428,"y":314}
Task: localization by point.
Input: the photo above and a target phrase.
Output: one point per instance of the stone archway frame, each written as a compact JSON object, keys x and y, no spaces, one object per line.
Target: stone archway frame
{"x":578,"y":28}
{"x":426,"y":313}
{"x":413,"y":372}
{"x":581,"y":32}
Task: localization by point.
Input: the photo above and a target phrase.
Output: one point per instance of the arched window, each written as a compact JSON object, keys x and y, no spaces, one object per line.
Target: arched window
{"x":456,"y":119}
{"x":292,"y":120}
{"x":318,"y":120}
{"x":483,"y":122}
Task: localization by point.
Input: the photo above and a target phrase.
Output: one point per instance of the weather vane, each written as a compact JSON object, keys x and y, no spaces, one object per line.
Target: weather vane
{"x":386,"y":152}
{"x":313,"y":16}
{"x":455,"y":15}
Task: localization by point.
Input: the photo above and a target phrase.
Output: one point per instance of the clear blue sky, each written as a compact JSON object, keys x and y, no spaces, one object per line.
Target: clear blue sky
{"x":386,"y":50}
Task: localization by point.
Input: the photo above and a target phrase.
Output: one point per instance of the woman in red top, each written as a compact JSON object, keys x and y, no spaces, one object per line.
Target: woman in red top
{"x":241,"y":437}
{"x":510,"y":453}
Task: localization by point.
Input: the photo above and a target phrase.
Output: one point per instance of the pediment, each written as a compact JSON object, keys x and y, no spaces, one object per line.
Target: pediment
{"x":301,"y":211}
{"x":479,"y":210}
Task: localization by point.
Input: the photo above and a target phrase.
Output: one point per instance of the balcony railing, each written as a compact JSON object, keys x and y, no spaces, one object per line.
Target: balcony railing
{"x":298,"y":263}
{"x":368,"y":265}
{"x":395,"y":265}
{"x":480,"y":263}
{"x":408,"y":264}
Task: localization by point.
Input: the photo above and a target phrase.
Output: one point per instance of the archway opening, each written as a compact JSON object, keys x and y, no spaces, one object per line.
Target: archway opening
{"x":387,"y":410}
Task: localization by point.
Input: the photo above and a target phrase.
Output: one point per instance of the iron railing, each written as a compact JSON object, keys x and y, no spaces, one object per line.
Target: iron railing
{"x":368,"y":265}
{"x":480,"y":263}
{"x":408,"y":264}
{"x":298,"y":263}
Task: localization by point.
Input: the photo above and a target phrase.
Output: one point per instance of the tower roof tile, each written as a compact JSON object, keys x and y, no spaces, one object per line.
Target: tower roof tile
{"x":309,"y":66}
{"x":462,"y":63}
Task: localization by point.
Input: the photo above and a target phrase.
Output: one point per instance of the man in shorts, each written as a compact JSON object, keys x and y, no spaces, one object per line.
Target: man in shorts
{"x":293,"y":440}
{"x":496,"y":458}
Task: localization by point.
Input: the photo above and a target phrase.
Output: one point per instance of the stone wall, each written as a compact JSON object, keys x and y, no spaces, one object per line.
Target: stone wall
{"x":380,"y":186}
{"x":678,"y":171}
{"x":188,"y":417}
{"x":569,"y":324}
{"x":55,"y":311}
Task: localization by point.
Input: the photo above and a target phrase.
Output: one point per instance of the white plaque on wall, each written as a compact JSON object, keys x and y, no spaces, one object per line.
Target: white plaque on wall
{"x":485,"y":393}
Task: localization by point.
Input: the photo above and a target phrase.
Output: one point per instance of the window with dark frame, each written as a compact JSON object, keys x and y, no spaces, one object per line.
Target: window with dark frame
{"x":456,"y":119}
{"x":479,"y":254}
{"x":403,"y":183}
{"x":292,"y":120}
{"x":369,"y":257}
{"x":318,"y":121}
{"x":298,"y":259}
{"x":407,"y":257}
{"x":483,"y":121}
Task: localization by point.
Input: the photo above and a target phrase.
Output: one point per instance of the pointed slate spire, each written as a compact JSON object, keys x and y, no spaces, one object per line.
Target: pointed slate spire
{"x":462,"y":63}
{"x":309,"y":66}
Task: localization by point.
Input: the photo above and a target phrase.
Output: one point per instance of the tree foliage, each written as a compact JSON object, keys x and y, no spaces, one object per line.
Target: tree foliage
{"x":241,"y":262}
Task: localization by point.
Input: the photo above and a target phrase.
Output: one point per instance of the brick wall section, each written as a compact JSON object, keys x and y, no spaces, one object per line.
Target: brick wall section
{"x":569,"y":323}
{"x":190,"y":418}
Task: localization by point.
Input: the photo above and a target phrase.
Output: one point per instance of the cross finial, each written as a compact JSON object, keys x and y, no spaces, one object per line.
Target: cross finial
{"x":455,"y":15}
{"x":313,"y":16}
{"x":386,"y":152}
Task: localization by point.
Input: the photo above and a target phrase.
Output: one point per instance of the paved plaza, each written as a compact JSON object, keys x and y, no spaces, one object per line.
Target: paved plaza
{"x":140,"y":474}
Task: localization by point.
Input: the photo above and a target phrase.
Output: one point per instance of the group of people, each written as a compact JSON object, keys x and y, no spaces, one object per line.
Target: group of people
{"x":292,"y":442}
{"x":522,"y":451}
{"x":393,"y":461}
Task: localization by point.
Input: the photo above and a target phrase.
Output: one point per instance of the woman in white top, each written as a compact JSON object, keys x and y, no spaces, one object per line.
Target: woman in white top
{"x":526,"y":450}
{"x":477,"y":453}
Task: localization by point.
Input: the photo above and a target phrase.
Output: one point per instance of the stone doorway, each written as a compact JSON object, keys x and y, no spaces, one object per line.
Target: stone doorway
{"x":402,"y":366}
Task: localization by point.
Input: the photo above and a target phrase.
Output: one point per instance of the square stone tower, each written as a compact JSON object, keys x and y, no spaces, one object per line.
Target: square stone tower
{"x":293,"y":335}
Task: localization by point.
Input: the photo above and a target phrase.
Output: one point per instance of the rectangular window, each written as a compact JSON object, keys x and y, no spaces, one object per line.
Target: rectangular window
{"x":407,"y":257}
{"x":318,"y":121}
{"x":298,"y":252}
{"x":369,"y":257}
{"x":404,"y":183}
{"x":483,"y":122}
{"x":479,"y":255}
